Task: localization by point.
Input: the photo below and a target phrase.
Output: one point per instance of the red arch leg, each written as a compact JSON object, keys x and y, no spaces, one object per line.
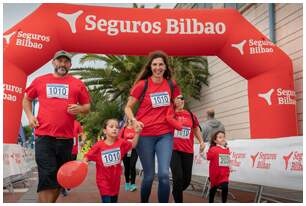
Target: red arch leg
{"x":14,"y":84}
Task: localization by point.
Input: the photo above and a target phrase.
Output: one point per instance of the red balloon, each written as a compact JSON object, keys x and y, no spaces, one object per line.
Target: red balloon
{"x":72,"y":174}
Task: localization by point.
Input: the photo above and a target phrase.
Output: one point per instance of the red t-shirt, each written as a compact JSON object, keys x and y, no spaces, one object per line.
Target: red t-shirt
{"x":127,"y":133}
{"x":108,"y":164}
{"x":77,"y":130}
{"x":153,"y":109}
{"x":54,"y":95}
{"x":219,"y":170}
{"x":184,"y":139}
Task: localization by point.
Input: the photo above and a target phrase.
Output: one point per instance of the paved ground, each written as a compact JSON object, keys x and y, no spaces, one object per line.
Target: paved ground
{"x":87,"y":192}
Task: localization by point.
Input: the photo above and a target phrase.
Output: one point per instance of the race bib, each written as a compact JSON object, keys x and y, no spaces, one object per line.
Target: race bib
{"x":224,"y":160}
{"x":160,"y":99}
{"x":183,"y":134}
{"x":111,"y":157}
{"x":57,"y":91}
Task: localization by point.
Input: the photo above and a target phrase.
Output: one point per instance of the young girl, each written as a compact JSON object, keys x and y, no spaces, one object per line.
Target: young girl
{"x":130,"y":159}
{"x":108,"y":155}
{"x":219,"y":168}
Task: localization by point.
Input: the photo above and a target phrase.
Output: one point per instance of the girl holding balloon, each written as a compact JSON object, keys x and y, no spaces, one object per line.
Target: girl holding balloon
{"x":108,"y":155}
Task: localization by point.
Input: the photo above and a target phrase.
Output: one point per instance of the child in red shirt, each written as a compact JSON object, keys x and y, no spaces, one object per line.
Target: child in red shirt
{"x":108,"y":154}
{"x":130,"y":159}
{"x":219,"y":165}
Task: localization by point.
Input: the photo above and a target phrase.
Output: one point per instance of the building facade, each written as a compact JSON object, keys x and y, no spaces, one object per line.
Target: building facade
{"x":227,"y":91}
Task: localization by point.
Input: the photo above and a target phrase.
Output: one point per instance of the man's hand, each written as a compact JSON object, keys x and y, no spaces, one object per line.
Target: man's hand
{"x":33,"y":122}
{"x":74,"y":109}
{"x":202,"y":147}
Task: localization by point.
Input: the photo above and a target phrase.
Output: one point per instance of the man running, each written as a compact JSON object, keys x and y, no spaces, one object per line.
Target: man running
{"x":61,"y":97}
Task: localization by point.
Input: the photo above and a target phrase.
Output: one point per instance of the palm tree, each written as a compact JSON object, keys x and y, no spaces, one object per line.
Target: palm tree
{"x":117,"y":78}
{"x":101,"y":110}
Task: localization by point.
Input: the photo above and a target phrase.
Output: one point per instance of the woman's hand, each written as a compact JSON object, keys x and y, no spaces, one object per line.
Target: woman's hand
{"x":202,"y":147}
{"x":138,"y":125}
{"x":138,"y":130}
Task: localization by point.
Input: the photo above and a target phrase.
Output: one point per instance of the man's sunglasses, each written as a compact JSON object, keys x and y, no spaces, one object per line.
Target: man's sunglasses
{"x":181,"y":98}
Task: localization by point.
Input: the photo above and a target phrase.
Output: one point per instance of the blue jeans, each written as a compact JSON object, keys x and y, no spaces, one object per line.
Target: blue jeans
{"x":146,"y":149}
{"x":109,"y":199}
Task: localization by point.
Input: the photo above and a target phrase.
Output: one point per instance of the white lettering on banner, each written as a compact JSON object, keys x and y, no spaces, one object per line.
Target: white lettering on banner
{"x":31,"y":40}
{"x":11,"y":88}
{"x":255,"y":46}
{"x":173,"y":26}
{"x":160,"y":99}
{"x":111,"y":157}
{"x":260,"y":46}
{"x":9,"y":97}
{"x":286,"y":96}
{"x":193,"y":26}
{"x":183,"y":134}
{"x":272,"y":150}
{"x":57,"y":91}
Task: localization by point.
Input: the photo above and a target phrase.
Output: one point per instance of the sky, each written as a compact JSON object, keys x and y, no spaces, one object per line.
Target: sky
{"x":15,"y":12}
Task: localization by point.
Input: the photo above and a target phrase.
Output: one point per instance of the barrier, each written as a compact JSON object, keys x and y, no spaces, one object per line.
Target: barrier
{"x":18,"y":163}
{"x":266,"y":162}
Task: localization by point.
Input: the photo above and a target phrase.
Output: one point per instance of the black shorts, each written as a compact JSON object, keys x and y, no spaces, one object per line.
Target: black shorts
{"x":50,"y":154}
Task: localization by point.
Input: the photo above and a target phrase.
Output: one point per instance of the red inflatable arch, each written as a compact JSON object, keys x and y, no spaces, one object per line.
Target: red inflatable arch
{"x":90,"y":29}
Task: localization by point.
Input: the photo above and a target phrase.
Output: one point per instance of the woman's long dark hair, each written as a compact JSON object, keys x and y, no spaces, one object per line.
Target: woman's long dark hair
{"x":214,"y":137}
{"x":146,"y":70}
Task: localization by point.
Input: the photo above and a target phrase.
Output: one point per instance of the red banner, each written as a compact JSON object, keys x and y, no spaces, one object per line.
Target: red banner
{"x":180,"y":32}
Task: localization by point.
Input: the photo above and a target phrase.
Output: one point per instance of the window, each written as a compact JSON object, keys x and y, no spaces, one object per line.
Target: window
{"x":203,"y":5}
{"x":232,"y":5}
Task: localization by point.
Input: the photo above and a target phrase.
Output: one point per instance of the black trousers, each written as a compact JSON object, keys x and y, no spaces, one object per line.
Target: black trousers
{"x":130,"y":167}
{"x":181,"y":168}
{"x":213,"y":190}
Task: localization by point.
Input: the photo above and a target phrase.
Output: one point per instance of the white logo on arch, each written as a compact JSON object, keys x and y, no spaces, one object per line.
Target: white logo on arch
{"x":8,"y":37}
{"x":71,"y":19}
{"x":267,"y":96}
{"x":240,"y":46}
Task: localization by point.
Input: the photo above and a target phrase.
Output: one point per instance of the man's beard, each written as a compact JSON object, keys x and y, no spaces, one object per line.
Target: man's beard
{"x":60,"y":73}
